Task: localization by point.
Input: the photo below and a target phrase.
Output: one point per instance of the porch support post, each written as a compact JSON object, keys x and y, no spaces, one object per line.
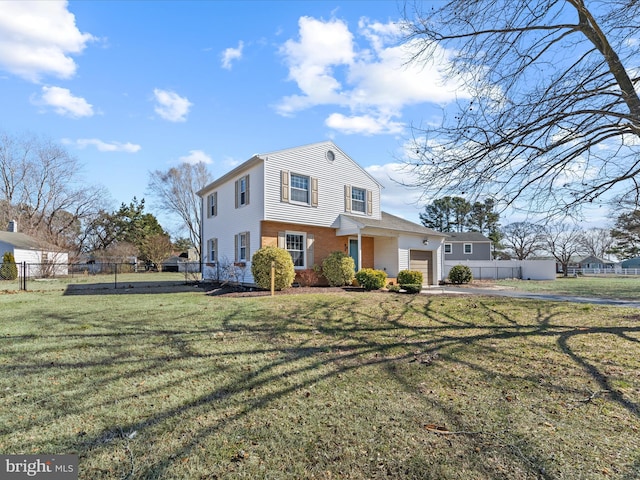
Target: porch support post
{"x":359,"y":250}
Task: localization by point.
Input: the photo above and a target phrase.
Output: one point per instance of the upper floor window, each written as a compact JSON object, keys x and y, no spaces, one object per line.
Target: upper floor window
{"x":296,"y":188}
{"x":468,"y":248}
{"x":212,"y":204}
{"x":242,"y":191}
{"x":299,"y":188}
{"x":358,"y":199}
{"x":447,"y":248}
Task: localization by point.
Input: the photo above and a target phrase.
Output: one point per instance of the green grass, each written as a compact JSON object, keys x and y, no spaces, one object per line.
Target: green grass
{"x":353,"y":386}
{"x":623,"y":288}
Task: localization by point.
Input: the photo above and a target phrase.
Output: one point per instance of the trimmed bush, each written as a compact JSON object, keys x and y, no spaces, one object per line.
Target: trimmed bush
{"x":460,"y":274}
{"x":339,"y":269}
{"x":8,"y":269}
{"x":412,"y":287}
{"x":371,"y":279}
{"x":261,"y":268}
{"x":410,"y":277}
{"x":393,"y":288}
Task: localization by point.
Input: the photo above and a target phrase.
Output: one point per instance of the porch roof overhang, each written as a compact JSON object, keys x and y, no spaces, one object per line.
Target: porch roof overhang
{"x":387,"y":226}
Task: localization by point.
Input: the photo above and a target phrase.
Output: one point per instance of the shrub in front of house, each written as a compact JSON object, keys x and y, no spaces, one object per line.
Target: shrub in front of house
{"x":460,"y":274}
{"x":412,"y":287}
{"x":371,"y":279}
{"x":339,"y":269}
{"x":8,"y":268}
{"x":261,"y":268}
{"x":393,"y":288}
{"x":410,"y":277}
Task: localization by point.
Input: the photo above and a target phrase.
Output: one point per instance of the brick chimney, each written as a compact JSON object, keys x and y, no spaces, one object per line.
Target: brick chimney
{"x":13,"y":226}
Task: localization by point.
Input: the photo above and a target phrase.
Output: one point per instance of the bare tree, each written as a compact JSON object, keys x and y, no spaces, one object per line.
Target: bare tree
{"x":523,"y":239}
{"x":41,"y":187}
{"x":175,"y":193}
{"x":597,"y":242}
{"x":157,"y":248}
{"x":563,"y":242}
{"x":549,"y":116}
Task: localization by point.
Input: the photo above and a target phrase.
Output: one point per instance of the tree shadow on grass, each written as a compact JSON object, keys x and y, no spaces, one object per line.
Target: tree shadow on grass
{"x":275,"y":357}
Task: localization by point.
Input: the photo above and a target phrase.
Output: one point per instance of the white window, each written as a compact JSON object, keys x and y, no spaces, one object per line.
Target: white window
{"x":213,"y":250}
{"x":295,"y":243}
{"x":212,"y":201}
{"x":242,"y":247}
{"x":358,"y":200}
{"x":447,"y":248}
{"x":300,"y":191}
{"x":242,"y":191}
{"x":468,"y":248}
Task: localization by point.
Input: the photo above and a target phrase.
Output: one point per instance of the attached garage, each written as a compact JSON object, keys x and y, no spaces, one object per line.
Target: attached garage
{"x":422,"y":261}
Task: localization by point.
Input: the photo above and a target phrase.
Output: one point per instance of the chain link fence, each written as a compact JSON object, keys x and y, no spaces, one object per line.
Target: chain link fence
{"x":95,"y":276}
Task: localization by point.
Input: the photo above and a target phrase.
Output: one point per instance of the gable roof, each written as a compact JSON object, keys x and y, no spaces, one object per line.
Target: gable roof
{"x":391,"y":222}
{"x":262,"y":157}
{"x":466,"y":237}
{"x":20,"y":240}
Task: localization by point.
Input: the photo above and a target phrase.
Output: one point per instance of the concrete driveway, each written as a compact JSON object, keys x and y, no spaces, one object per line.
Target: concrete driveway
{"x":511,"y":293}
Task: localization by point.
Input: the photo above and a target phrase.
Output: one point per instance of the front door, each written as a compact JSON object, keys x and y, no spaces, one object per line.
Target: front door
{"x":353,"y":251}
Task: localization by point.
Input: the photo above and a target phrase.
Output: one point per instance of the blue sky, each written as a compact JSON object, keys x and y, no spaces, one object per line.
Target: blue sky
{"x":130,"y":87}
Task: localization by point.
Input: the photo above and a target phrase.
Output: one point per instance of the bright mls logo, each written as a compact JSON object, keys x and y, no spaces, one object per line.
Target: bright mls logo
{"x":49,"y":467}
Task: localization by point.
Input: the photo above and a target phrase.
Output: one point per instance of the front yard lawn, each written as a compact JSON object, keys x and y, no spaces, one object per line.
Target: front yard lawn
{"x":337,"y":385}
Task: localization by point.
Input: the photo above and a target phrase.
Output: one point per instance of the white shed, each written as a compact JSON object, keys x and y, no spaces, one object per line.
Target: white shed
{"x":41,"y":259}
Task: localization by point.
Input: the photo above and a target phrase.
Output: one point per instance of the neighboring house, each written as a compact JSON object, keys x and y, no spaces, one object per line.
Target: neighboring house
{"x":595,"y":263}
{"x":311,"y":200}
{"x":182,"y":263}
{"x":42,"y":260}
{"x":631,"y":263}
{"x":466,"y":246}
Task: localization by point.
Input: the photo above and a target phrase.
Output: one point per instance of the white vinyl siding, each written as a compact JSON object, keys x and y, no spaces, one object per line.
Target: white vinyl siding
{"x":327,"y":183}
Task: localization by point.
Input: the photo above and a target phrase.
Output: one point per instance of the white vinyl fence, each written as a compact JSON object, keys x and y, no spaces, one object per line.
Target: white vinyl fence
{"x":503,"y":269}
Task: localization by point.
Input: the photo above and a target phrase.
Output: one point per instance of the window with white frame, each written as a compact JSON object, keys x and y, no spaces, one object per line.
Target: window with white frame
{"x":300,"y":188}
{"x":468,"y":248}
{"x":242,"y":247}
{"x":358,"y":200}
{"x":213,"y":250}
{"x":212,"y":201}
{"x":447,"y":248}
{"x":295,"y":244}
{"x":242,"y":191}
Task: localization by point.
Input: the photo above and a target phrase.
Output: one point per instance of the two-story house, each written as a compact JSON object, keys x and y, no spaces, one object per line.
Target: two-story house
{"x":462,"y":246}
{"x":311,"y":200}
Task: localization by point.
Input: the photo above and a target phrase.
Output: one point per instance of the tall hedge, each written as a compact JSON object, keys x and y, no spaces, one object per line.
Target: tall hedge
{"x":8,"y":269}
{"x":285,"y":271}
{"x":339,"y":269}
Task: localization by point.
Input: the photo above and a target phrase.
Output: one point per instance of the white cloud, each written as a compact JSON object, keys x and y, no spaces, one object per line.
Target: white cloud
{"x":231,"y":54}
{"x":363,"y":124}
{"x":106,"y":146}
{"x":196,"y":156}
{"x":38,"y":38}
{"x":64,"y":103}
{"x":369,"y":75}
{"x":397,"y":196}
{"x":171,"y":106}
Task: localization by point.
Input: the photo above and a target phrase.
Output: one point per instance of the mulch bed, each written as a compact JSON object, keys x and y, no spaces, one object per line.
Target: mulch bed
{"x":236,"y":291}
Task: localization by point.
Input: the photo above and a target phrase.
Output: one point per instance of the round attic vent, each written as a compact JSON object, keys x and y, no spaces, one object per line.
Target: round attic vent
{"x":330,"y":155}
